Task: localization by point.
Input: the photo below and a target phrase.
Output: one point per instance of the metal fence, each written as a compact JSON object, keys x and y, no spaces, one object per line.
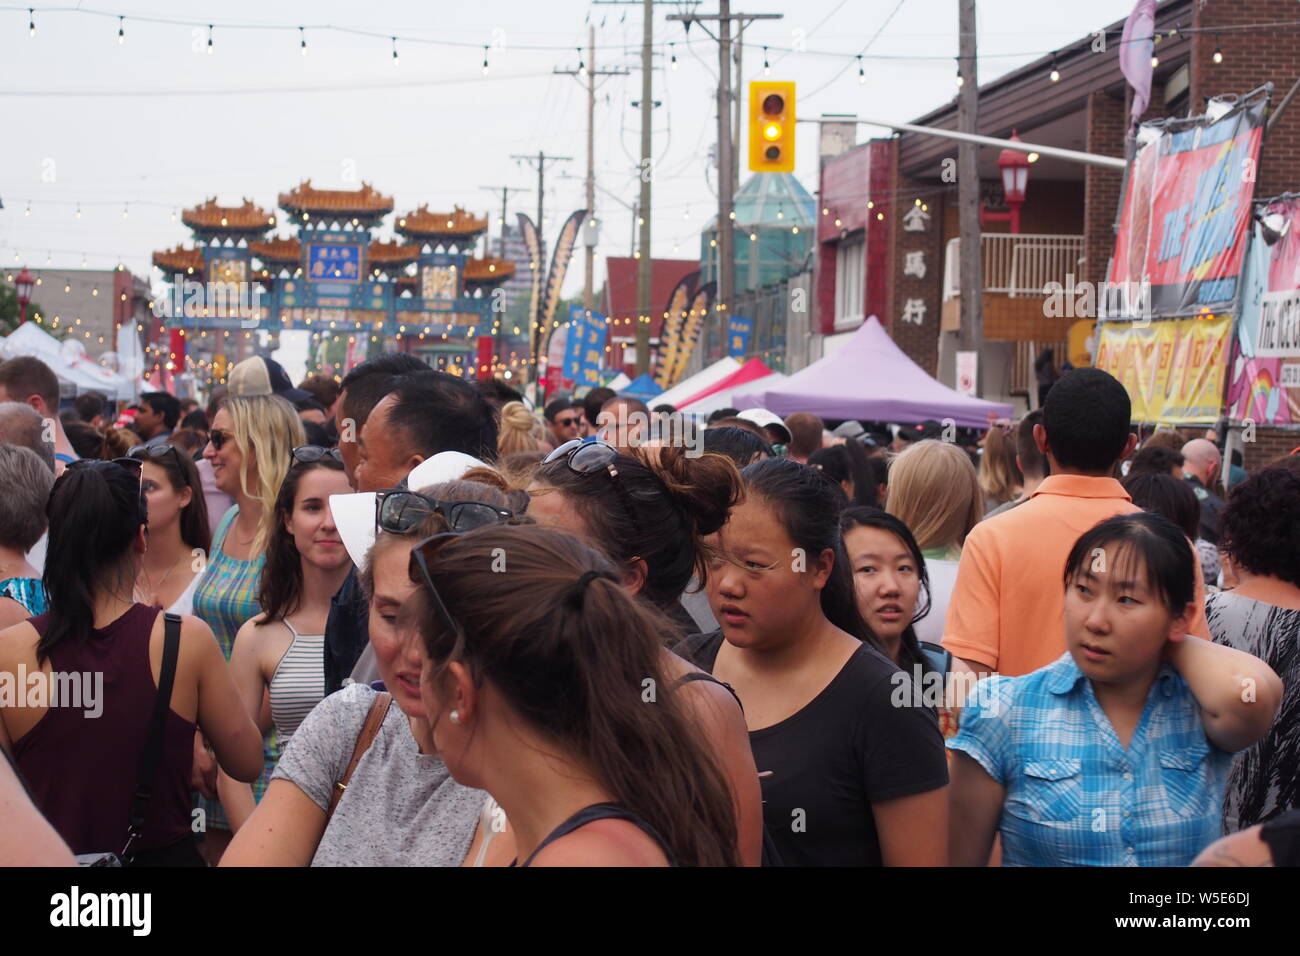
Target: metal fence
{"x":1016,"y":265}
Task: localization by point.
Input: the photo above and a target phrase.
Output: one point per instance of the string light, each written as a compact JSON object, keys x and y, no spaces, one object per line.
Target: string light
{"x":582,"y":65}
{"x":1155,"y":61}
{"x":1218,"y":53}
{"x":673,"y":61}
{"x":209,"y":39}
{"x":78,"y":210}
{"x":485,"y":59}
{"x":767,"y":67}
{"x":394,"y":52}
{"x":1055,"y":75}
{"x":862,"y":74}
{"x":124,"y":210}
{"x":960,"y":80}
{"x":31,"y":22}
{"x":302,"y":41}
{"x":121,"y":30}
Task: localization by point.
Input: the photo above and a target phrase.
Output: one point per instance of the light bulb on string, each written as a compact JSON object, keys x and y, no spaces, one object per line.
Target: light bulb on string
{"x":395,"y":60}
{"x":31,"y":22}
{"x":125,"y":208}
{"x":767,"y":67}
{"x":1055,"y":74}
{"x":28,"y":210}
{"x":673,"y":56}
{"x":1218,"y":53}
{"x":862,"y":74}
{"x":582,"y":65}
{"x":78,"y":210}
{"x":485,"y":59}
{"x":121,"y":30}
{"x":209,"y":39}
{"x":302,"y":41}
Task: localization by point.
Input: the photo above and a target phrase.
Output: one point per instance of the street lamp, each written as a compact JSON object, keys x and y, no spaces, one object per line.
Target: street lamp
{"x":1014,"y":166}
{"x":24,"y":284}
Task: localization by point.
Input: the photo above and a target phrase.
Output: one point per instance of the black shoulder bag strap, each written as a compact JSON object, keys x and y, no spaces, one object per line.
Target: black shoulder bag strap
{"x":153,"y":745}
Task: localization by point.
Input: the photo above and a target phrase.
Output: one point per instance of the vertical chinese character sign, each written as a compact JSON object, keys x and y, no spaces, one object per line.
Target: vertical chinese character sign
{"x":585,"y":347}
{"x":739,"y":331}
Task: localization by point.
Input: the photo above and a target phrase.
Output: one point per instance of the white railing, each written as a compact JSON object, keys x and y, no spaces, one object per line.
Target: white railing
{"x":1016,"y":265}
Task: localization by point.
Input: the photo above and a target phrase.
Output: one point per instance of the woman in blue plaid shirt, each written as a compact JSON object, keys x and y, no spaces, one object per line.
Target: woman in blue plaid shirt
{"x":1116,"y":754}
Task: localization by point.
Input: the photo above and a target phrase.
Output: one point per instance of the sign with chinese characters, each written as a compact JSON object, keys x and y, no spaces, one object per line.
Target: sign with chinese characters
{"x":585,"y":346}
{"x":913,"y":311}
{"x":334,"y":262}
{"x":916,"y":219}
{"x":914,"y":263}
{"x":739,"y":331}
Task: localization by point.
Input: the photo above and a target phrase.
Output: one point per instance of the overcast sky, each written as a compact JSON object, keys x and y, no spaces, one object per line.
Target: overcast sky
{"x":155,"y":124}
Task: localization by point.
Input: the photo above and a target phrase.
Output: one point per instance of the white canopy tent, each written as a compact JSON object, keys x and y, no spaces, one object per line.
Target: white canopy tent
{"x":67,"y":360}
{"x":698,"y":382}
{"x":723,"y":399}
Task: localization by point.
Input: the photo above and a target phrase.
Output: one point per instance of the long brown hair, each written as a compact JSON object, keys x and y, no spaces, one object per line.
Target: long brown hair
{"x":281,"y":587}
{"x":577,"y":666}
{"x":196,"y":532}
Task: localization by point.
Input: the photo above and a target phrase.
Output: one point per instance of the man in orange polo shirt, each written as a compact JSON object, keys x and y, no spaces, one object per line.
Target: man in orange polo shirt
{"x":1006,"y":607}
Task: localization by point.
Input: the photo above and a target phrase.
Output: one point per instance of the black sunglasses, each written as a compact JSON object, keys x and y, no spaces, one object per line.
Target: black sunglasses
{"x":418,"y":569}
{"x":155,"y":451}
{"x":219,"y":438}
{"x":399,"y":511}
{"x":588,"y":456}
{"x":131,"y":464}
{"x":309,"y":453}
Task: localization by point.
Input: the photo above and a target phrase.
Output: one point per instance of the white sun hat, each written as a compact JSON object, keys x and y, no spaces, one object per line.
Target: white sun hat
{"x":354,"y":514}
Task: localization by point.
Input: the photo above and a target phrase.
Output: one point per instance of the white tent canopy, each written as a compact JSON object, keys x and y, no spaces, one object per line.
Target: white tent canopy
{"x":723,"y":399}
{"x":67,"y":360}
{"x":698,"y":382}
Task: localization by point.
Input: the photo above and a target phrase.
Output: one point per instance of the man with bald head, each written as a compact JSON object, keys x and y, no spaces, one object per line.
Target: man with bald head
{"x":1201,"y":467}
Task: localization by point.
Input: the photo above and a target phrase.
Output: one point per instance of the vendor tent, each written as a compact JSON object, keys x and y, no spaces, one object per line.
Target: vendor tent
{"x":67,"y":360}
{"x":642,"y":387}
{"x":751,"y":371}
{"x":871,"y":378}
{"x":690,"y":387}
{"x":726,"y":398}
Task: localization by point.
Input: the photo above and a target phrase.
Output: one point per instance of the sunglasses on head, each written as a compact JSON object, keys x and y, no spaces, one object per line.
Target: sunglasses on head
{"x":399,"y":511}
{"x":219,"y":437}
{"x":155,"y":451}
{"x":418,"y":569}
{"x":309,"y":453}
{"x":588,"y":456}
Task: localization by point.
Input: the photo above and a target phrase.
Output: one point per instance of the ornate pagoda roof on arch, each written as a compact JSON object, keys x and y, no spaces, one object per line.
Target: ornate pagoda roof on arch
{"x":421,"y":223}
{"x":212,"y":217}
{"x":277,"y":250}
{"x":393,"y":253}
{"x":488,"y":270}
{"x":180,"y":259}
{"x":366,"y":201}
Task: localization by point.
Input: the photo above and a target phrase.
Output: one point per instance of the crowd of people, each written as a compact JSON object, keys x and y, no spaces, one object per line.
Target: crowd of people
{"x":406,"y":619}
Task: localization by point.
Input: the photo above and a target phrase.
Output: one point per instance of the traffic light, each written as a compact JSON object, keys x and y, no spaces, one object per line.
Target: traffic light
{"x":771,"y":127}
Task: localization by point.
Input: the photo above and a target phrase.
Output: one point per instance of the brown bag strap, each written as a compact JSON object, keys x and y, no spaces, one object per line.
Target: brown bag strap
{"x":369,"y":730}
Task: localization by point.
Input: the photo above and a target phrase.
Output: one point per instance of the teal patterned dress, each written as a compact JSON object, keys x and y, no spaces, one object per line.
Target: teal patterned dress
{"x":29,"y":592}
{"x":225,"y":598}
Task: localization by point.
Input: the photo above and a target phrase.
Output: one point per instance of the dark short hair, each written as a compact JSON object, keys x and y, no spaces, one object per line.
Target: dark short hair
{"x":90,"y":404}
{"x":1031,"y":459}
{"x":25,"y":376}
{"x":197,"y":420}
{"x":1086,"y":416}
{"x":718,"y":413}
{"x":554,"y":408}
{"x":1163,"y":494}
{"x":436,"y":412}
{"x":369,"y":382}
{"x":1261,"y":523}
{"x":664,"y":409}
{"x":633,"y":404}
{"x":1157,"y":541}
{"x":1155,"y":458}
{"x":594,"y":400}
{"x":166,"y":405}
{"x":497,"y":392}
{"x":741,"y":445}
{"x":86,"y":440}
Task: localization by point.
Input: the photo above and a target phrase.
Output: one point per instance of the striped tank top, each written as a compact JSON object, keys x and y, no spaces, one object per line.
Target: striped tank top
{"x":298,"y":683}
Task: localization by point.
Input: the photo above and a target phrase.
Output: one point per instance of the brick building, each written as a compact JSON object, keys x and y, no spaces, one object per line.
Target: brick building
{"x":887,"y":236}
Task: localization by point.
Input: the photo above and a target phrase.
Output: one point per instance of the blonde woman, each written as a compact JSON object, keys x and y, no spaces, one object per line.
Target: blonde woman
{"x":515,"y":433}
{"x":250,"y":449}
{"x":999,"y":475}
{"x":933,"y":489}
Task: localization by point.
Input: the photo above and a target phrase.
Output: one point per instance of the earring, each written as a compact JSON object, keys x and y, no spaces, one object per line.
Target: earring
{"x":455,"y":716}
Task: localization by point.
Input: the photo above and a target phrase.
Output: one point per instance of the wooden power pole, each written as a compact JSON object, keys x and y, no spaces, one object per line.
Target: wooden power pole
{"x":968,"y":191}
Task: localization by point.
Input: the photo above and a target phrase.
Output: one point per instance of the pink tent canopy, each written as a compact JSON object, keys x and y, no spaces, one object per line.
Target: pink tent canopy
{"x":751,"y":371}
{"x":870,"y":378}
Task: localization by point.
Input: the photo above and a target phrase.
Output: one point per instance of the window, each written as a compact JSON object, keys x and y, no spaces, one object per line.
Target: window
{"x":850,"y":268}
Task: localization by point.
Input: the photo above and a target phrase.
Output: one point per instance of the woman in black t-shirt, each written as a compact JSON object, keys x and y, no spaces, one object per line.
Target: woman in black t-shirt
{"x":852,"y":765}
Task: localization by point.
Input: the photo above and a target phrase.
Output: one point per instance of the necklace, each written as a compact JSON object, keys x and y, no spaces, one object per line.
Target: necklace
{"x":154,"y":590}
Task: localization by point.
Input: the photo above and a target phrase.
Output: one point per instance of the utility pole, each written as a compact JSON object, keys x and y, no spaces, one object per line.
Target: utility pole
{"x":505,"y":197}
{"x":968,"y":192}
{"x":535,"y":336}
{"x":727,"y":172}
{"x":590,"y":72}
{"x":737,"y":97}
{"x":643,"y":272}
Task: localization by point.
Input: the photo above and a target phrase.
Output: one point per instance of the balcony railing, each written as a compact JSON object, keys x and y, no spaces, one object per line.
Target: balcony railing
{"x":1016,"y":265}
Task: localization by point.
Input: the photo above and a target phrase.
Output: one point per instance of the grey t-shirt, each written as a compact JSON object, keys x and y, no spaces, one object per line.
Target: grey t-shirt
{"x":401,"y":807}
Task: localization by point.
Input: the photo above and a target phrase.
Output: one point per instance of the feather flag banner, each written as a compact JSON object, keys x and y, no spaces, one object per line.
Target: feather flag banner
{"x":1135,"y":49}
{"x":533,"y":245}
{"x":560,"y":259}
{"x":671,"y":337}
{"x":701,"y":304}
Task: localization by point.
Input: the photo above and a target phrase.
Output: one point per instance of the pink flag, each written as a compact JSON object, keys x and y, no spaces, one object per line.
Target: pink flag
{"x":1135,"y":49}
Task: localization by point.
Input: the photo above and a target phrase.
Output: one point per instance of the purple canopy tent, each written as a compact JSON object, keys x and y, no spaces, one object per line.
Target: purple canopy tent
{"x":871,"y":378}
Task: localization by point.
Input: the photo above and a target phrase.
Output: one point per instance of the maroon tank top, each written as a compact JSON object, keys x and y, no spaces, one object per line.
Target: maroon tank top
{"x":83,"y":770}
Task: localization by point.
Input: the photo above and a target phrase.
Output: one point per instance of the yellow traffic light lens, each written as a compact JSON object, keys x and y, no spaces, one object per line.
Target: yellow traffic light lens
{"x":772,"y":131}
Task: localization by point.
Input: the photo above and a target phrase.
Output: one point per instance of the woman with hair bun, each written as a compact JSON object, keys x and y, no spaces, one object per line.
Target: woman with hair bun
{"x":649,"y":512}
{"x":590,"y":776}
{"x":515,"y":432}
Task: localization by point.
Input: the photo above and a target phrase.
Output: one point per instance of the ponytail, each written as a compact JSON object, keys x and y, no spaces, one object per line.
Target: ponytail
{"x":581,"y":662}
{"x":95,"y":511}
